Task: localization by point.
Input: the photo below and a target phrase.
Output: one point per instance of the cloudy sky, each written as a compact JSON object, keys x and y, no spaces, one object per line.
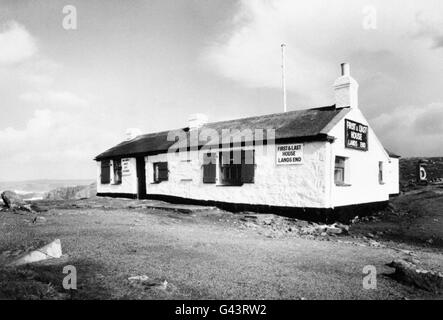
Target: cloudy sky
{"x":67,"y":95}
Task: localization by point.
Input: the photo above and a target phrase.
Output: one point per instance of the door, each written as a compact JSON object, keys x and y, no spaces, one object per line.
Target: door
{"x":141,"y":178}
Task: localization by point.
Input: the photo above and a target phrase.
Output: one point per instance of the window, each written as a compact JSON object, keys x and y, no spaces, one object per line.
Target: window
{"x":117,"y":164}
{"x":105,"y":174}
{"x":209,"y":168}
{"x":161,"y":172}
{"x":340,"y":172}
{"x":237,"y":167}
{"x":380,"y":172}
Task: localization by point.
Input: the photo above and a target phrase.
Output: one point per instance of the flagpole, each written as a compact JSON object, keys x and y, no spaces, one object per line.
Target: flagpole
{"x":283,"y":76}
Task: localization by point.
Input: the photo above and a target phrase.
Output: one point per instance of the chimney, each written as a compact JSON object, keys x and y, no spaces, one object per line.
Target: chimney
{"x":197,"y":120}
{"x":346,"y":89}
{"x":132,"y":133}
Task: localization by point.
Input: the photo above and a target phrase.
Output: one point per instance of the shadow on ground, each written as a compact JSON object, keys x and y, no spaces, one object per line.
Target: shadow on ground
{"x":44,"y":280}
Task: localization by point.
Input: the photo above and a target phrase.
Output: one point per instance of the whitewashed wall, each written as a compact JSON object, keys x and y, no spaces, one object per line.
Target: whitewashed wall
{"x":394,"y":176}
{"x":363,"y":167}
{"x":310,"y":184}
{"x":302,"y":185}
{"x":129,"y":183}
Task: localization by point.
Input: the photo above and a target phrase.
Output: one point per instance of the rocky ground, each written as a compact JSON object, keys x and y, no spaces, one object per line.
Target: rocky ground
{"x":151,"y":250}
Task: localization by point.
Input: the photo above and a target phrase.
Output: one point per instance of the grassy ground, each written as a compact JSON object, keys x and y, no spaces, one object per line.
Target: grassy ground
{"x":206,"y":255}
{"x":415,"y":218}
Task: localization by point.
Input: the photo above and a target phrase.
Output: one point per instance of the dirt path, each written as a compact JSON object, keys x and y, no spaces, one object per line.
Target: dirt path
{"x":199,"y":257}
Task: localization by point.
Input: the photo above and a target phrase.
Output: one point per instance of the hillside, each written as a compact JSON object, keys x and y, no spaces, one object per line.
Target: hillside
{"x":72,"y":193}
{"x":40,"y":186}
{"x":408,"y":168}
{"x":55,"y":189}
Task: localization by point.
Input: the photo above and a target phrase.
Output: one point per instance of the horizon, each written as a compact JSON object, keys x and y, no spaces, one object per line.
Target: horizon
{"x":70,"y":94}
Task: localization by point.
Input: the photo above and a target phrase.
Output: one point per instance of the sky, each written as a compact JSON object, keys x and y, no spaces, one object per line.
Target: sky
{"x":67,"y":95}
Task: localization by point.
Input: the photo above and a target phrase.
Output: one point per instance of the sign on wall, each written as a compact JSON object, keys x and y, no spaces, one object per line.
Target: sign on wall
{"x":289,"y":154}
{"x":126,"y":167}
{"x":356,"y":135}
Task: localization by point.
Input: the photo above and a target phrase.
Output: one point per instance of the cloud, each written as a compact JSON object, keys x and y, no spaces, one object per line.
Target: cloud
{"x":319,"y":36}
{"x":16,"y":44}
{"x":429,"y":25}
{"x":54,"y":98}
{"x":412,"y":130}
{"x":52,"y":144}
{"x":56,"y":141}
{"x":438,"y":42}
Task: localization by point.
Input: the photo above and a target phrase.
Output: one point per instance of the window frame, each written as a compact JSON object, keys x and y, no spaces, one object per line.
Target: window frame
{"x":233,"y":174}
{"x":344,"y":168}
{"x":156,"y":171}
{"x":381,"y":173}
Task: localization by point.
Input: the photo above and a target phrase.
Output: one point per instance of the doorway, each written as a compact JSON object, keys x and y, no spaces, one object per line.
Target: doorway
{"x":141,"y":178}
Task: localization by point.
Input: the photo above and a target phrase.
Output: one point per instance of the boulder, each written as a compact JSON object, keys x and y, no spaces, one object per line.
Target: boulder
{"x":52,"y":250}
{"x":333,"y":230}
{"x":409,"y":273}
{"x":12,"y":200}
{"x":344,"y":228}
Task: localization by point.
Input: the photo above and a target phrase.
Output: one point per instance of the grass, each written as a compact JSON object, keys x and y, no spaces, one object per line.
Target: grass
{"x":207,"y":255}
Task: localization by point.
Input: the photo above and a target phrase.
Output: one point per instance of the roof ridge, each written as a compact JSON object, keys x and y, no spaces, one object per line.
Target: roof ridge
{"x":326,"y":108}
{"x":297,"y":124}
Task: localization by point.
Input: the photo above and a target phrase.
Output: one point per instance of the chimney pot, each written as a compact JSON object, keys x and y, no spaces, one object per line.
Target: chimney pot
{"x":197,"y":120}
{"x":345,"y":69}
{"x":346,"y":89}
{"x":132,"y":133}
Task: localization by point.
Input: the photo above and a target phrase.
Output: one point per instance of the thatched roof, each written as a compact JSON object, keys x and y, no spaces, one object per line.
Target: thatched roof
{"x":300,"y":125}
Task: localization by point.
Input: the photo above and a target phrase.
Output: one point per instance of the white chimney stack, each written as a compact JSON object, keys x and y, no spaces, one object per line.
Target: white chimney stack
{"x":346,"y":89}
{"x":197,"y":120}
{"x":132,"y":133}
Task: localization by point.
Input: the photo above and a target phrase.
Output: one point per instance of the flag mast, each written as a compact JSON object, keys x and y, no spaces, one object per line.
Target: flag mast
{"x":283,"y":76}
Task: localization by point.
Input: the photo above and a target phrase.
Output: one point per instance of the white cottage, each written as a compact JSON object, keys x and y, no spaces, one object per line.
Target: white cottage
{"x":321,"y":163}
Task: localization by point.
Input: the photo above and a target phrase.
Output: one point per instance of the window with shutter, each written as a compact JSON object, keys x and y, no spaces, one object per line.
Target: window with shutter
{"x":105,"y":174}
{"x":209,"y":168}
{"x":161,"y":172}
{"x":237,"y":167}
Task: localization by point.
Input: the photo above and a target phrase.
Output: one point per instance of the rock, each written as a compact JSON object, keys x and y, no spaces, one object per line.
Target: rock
{"x":408,"y":252}
{"x":6,"y":253}
{"x":376,"y":244}
{"x":267,"y":221}
{"x":412,"y":260}
{"x":49,"y":251}
{"x":12,"y":200}
{"x":73,"y":193}
{"x":146,"y":282}
{"x":409,"y":273}
{"x":333,"y":230}
{"x":139,"y":278}
{"x":356,"y":219}
{"x":163,"y":285}
{"x":27,"y":207}
{"x":343,"y":227}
